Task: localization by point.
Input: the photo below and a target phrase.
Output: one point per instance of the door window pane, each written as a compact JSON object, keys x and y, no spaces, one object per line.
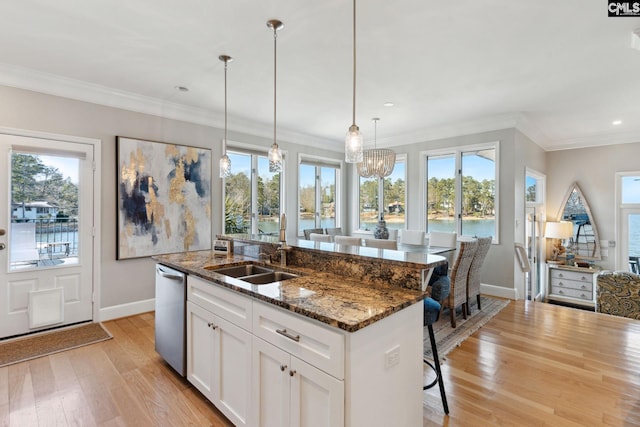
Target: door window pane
{"x":441,"y":191}
{"x":634,"y":242}
{"x":307,"y":198}
{"x":44,"y":210}
{"x":478,"y":193}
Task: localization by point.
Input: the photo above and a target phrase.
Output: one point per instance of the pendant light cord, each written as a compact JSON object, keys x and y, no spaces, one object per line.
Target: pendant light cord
{"x":354,"y":62}
{"x":275,"y":70}
{"x":224,"y":147}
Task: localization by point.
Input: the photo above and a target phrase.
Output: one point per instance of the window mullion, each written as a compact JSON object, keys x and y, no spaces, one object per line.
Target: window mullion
{"x":318,"y":201}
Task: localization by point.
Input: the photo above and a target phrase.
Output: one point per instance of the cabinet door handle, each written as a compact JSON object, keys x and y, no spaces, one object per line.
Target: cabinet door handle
{"x":284,"y":332}
{"x":283,"y":367}
{"x":212,"y":326}
{"x":292,"y":373}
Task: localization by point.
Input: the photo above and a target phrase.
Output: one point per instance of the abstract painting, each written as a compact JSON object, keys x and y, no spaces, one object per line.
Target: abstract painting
{"x":164,"y":198}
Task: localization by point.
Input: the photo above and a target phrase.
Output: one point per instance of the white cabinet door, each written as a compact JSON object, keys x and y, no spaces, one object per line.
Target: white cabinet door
{"x":219,"y":362}
{"x":290,"y":392}
{"x":232,"y":376}
{"x":270,"y":389}
{"x":200,"y":349}
{"x":317,"y":399}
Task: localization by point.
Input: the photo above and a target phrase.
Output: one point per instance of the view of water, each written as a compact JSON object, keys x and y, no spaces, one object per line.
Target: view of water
{"x":634,"y":235}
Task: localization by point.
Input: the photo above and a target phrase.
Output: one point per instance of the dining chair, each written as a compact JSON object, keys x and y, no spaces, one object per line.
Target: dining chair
{"x":412,"y":237}
{"x":458,"y":278}
{"x":380,"y":243}
{"x":473,"y":278}
{"x":443,"y":239}
{"x":393,"y":234}
{"x":333,"y":231}
{"x":347,"y":240}
{"x":316,"y":237}
{"x":307,"y":232}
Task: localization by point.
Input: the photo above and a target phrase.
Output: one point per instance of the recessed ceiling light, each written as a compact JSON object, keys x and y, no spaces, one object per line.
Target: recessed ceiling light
{"x":181,"y":88}
{"x":616,"y":122}
{"x":388,"y":104}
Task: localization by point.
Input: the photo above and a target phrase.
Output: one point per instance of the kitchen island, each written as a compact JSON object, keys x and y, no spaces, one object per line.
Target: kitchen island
{"x":339,"y":343}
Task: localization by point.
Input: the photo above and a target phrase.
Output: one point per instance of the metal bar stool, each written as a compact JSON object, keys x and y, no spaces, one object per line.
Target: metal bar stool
{"x":439,"y":292}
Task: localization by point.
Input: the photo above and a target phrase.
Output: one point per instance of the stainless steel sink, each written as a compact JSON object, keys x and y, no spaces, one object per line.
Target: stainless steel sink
{"x":254,"y":274}
{"x":242,"y":270}
{"x":264,"y":278}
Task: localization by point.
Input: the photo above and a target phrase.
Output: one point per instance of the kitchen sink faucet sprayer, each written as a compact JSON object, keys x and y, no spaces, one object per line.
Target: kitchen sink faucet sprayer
{"x":284,"y":248}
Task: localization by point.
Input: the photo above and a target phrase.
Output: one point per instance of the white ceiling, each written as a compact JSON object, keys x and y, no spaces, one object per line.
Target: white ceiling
{"x":561,"y":71}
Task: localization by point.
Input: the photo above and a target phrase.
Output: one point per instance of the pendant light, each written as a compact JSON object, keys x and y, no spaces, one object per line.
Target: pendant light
{"x":275,"y":155}
{"x":376,"y":162}
{"x":225,"y":161}
{"x":353,"y":142}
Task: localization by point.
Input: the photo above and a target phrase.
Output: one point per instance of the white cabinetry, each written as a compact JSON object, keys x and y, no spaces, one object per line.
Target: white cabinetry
{"x":573,"y":285}
{"x":218,"y":351}
{"x":287,"y":391}
{"x":266,"y":366}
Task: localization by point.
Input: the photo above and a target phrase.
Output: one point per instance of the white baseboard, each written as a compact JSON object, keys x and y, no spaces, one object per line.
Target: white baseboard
{"x":498,"y":291}
{"x":129,"y":309}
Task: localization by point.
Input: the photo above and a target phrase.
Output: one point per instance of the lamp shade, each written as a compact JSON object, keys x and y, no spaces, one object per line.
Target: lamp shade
{"x":559,"y":230}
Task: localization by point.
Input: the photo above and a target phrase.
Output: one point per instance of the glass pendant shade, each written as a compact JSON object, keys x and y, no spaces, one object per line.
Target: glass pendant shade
{"x":377,"y":162}
{"x":275,"y":159}
{"x":353,"y":145}
{"x":225,"y":166}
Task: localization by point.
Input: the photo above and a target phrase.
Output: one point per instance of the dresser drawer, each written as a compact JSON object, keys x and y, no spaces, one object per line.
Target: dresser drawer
{"x":227,"y":304}
{"x":314,"y":343}
{"x":577,"y":276}
{"x":572,"y":284}
{"x":572,"y":293}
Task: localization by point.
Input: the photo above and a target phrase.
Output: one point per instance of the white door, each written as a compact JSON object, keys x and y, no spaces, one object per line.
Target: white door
{"x":46,"y":267}
{"x":271,"y":385}
{"x":630,"y":240}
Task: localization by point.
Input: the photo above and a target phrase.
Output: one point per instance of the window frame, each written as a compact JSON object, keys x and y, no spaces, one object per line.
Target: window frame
{"x":320,"y":162}
{"x":458,"y":152}
{"x":255,"y":152}
{"x":622,"y":211}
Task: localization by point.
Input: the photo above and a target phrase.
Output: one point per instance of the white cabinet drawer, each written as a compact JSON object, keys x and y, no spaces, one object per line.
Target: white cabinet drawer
{"x":572,"y":293}
{"x":572,"y":275}
{"x":227,"y":304}
{"x":572,"y":284}
{"x":311,"y":342}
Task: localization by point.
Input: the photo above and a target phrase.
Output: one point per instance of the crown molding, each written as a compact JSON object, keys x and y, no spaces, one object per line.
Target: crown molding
{"x":596,"y":140}
{"x":37,"y":81}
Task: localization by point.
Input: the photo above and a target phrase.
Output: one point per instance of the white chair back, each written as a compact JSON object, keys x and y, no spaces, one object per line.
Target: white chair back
{"x":442,"y":239}
{"x":23,"y":242}
{"x":315,"y":237}
{"x":412,"y":237}
{"x":381,"y":243}
{"x":393,"y":234}
{"x":347,"y":240}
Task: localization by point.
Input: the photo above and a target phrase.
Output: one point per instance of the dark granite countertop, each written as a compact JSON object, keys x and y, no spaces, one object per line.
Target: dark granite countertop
{"x":345,"y":303}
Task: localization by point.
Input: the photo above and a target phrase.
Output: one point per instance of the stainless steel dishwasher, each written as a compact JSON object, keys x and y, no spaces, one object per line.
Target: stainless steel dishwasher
{"x":170,"y":329}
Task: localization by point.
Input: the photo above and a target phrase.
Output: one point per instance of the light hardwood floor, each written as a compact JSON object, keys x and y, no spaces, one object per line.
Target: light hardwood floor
{"x":533,"y":364}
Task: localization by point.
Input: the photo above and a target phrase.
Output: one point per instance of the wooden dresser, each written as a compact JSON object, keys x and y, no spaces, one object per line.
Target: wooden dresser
{"x":572,"y":285}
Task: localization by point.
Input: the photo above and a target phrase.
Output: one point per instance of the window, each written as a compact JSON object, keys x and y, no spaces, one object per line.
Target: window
{"x":317,"y":195}
{"x":252,"y":195}
{"x":534,"y":188}
{"x":388,"y":194}
{"x":461,"y":191}
{"x":628,"y":230}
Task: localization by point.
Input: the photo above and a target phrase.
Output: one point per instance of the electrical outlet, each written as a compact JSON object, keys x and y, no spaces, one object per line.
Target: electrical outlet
{"x":392,"y":357}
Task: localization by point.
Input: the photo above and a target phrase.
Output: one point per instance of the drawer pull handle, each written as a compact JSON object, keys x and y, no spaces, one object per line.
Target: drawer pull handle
{"x":560,"y":292}
{"x":560,"y":284}
{"x":292,"y":373}
{"x":583,"y":287}
{"x":284,"y":332}
{"x":283,"y":367}
{"x":560,"y":275}
{"x":584,"y":278}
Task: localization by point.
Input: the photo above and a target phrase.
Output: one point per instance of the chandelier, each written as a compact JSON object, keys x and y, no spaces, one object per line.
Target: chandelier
{"x":376,"y":162}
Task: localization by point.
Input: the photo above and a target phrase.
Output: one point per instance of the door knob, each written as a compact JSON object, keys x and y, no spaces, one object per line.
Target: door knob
{"x":3,"y":231}
{"x":2,"y":246}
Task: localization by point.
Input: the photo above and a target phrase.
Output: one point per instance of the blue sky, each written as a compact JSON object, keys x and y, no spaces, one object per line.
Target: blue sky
{"x":631,"y":189}
{"x":67,"y":166}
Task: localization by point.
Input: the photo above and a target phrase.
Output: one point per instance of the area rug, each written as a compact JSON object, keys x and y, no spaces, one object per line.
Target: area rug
{"x":33,"y":346}
{"x":448,"y":338}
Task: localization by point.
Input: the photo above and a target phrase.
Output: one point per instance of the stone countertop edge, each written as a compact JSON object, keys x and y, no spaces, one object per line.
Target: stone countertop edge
{"x":346,"y":304}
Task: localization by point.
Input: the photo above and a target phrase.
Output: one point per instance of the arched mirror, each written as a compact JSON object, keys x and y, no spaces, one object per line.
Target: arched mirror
{"x":585,"y":243}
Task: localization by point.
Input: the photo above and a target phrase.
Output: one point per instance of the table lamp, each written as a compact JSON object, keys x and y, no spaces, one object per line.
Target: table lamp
{"x":558,"y":231}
